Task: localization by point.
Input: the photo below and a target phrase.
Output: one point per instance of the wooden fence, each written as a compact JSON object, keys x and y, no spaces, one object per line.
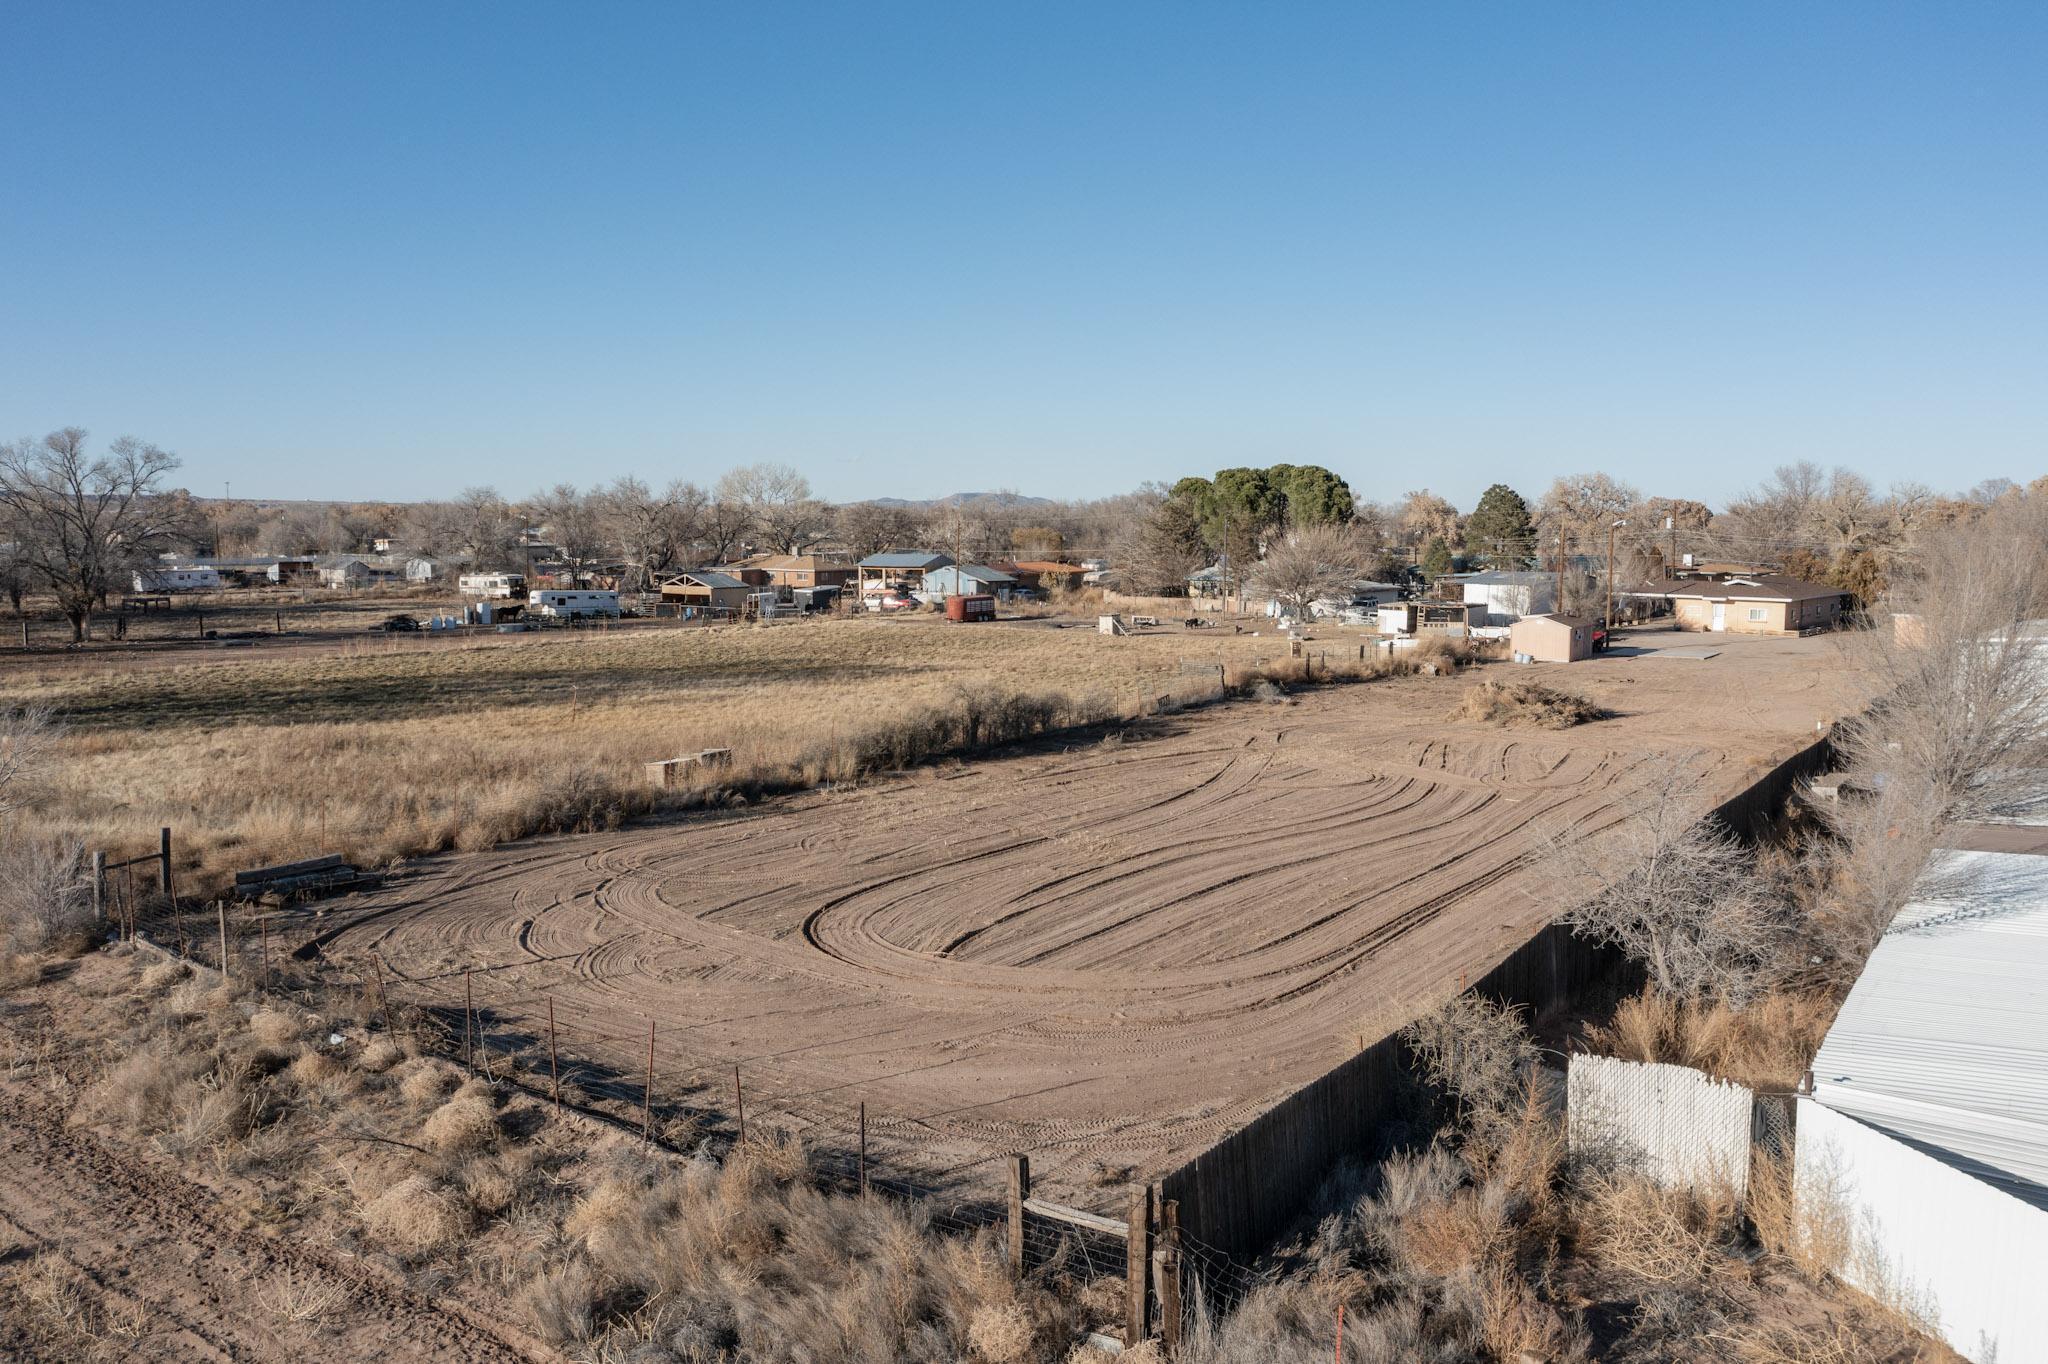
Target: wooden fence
{"x":1245,"y":1192}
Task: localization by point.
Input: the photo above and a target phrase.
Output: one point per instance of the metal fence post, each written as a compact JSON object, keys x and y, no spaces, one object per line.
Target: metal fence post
{"x":99,"y":886}
{"x":163,"y":862}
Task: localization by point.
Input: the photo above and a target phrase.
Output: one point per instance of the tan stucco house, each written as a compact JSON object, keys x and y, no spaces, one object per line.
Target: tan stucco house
{"x":1761,"y":604}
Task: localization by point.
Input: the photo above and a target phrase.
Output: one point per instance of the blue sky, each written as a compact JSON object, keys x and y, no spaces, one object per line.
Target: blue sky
{"x":389,"y":250}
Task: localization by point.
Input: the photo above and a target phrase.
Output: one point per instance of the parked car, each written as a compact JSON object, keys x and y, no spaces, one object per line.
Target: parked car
{"x":399,"y":624}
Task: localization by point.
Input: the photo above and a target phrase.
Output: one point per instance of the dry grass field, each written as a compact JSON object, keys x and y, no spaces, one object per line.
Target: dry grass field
{"x":385,"y":747}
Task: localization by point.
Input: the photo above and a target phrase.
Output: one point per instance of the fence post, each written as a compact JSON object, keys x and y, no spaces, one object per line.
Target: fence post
{"x":647,"y":1094}
{"x":263,"y":927}
{"x":1138,"y":1268}
{"x":863,"y":1148}
{"x":163,"y":862}
{"x":383,"y":996}
{"x":468,"y":1008}
{"x":99,"y":886}
{"x":221,"y":909}
{"x":1169,"y":1277}
{"x":739,"y":1101}
{"x":554,"y":1071}
{"x":1020,"y":1189}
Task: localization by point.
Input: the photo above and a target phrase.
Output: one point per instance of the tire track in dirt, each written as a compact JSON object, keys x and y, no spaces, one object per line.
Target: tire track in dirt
{"x":1120,"y":948}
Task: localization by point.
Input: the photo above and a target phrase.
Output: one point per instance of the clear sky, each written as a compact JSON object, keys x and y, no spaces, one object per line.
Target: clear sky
{"x":369,"y":250}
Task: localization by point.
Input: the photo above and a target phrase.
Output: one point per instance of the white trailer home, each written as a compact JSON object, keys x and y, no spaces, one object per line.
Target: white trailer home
{"x":177,"y":578}
{"x":492,"y":585}
{"x":564,"y":604}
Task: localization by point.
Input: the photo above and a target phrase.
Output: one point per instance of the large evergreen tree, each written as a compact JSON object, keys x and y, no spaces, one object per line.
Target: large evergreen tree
{"x":1500,"y":527}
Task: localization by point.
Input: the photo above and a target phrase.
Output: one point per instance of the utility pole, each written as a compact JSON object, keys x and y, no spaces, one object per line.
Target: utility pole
{"x":1560,"y":563}
{"x":1610,"y":578}
{"x":1671,"y":524}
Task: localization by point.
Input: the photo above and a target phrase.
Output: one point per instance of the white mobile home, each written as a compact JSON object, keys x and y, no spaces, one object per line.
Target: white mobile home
{"x":177,"y":578}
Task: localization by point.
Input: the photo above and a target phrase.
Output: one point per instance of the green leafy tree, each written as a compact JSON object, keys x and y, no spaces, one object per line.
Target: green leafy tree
{"x":1315,"y":496}
{"x":1500,"y":527}
{"x":1436,"y":560}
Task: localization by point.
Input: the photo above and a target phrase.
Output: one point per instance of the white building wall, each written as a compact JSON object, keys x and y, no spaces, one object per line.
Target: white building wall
{"x":1681,"y":1127}
{"x":1971,"y":1259}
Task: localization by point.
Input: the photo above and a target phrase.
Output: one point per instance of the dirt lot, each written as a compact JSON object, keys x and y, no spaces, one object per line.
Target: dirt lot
{"x":1107,"y":956}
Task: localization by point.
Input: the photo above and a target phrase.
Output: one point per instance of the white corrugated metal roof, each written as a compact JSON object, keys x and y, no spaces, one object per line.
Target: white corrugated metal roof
{"x":1944,"y":1039}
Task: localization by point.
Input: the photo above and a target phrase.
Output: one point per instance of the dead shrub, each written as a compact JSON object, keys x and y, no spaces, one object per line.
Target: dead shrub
{"x":311,"y":1069}
{"x":423,"y":1082}
{"x":1524,"y":703}
{"x":162,"y":975}
{"x":278,"y":1027}
{"x":415,"y":1214}
{"x":1480,"y":1052}
{"x":1002,"y":1333}
{"x":467,"y":1121}
{"x":1516,"y":1324}
{"x":1468,"y":1230}
{"x":560,"y":1302}
{"x":379,"y":1054}
{"x":1661,"y":1235}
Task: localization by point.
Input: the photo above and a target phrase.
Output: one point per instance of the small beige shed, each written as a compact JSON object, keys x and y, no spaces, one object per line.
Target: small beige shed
{"x":1552,"y":638}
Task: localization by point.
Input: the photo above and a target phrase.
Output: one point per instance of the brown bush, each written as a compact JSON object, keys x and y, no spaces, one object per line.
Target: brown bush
{"x":1661,"y":1235}
{"x":464,"y":1123}
{"x":415,"y":1214}
{"x":1492,"y":702}
{"x":423,"y":1082}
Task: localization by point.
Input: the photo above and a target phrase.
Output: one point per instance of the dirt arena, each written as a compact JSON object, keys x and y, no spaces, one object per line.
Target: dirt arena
{"x":1106,"y":955}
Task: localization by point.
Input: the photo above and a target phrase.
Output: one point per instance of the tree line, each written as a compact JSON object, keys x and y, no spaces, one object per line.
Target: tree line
{"x":78,"y":523}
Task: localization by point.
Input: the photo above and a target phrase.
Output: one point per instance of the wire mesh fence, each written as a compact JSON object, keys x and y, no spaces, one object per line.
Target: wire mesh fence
{"x":640,"y":1075}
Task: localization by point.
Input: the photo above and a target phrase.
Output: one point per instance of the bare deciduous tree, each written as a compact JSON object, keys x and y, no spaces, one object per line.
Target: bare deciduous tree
{"x":654,"y":531}
{"x":1959,"y":719}
{"x":1309,"y":564}
{"x":778,"y":504}
{"x":1670,"y":888}
{"x":572,"y":519}
{"x":868,"y":528}
{"x":80,"y":524}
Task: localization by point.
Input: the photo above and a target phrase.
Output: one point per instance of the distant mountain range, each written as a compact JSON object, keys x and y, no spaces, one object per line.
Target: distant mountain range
{"x":964,"y":500}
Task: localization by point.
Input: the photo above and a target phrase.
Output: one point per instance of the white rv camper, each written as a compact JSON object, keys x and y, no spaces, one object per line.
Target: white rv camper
{"x":492,"y":585}
{"x":564,"y":604}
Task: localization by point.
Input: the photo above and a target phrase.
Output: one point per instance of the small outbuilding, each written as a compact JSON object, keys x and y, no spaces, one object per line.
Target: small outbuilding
{"x":971,"y":580}
{"x":705,"y":588}
{"x":1552,"y":638}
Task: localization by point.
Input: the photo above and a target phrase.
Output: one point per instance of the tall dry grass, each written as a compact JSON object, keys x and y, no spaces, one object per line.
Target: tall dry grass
{"x":1767,"y":1044}
{"x":390,"y":750}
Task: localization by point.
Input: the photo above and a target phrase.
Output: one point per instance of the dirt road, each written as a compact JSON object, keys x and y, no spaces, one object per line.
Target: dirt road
{"x":1106,"y":956}
{"x":155,"y":1269}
